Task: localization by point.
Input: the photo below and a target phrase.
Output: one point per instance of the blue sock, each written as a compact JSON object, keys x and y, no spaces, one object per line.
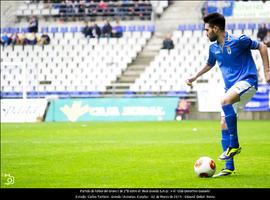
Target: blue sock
{"x":225,"y":140}
{"x":231,"y":121}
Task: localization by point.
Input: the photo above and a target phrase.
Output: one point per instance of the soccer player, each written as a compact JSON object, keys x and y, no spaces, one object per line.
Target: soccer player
{"x":239,"y":72}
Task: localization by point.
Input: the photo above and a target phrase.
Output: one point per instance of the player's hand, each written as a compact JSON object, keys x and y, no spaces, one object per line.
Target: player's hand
{"x":190,"y":80}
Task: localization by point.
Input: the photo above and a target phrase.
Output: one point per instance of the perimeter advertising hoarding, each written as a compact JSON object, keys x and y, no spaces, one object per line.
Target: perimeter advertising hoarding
{"x":22,"y":110}
{"x":113,"y":109}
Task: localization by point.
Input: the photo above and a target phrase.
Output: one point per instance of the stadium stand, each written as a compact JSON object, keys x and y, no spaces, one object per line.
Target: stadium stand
{"x":75,"y":66}
{"x":170,"y":68}
{"x":91,"y":10}
{"x":71,"y":62}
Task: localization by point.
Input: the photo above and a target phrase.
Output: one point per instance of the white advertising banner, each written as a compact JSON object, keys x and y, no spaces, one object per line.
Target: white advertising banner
{"x":22,"y":110}
{"x":251,"y":9}
{"x":209,"y":97}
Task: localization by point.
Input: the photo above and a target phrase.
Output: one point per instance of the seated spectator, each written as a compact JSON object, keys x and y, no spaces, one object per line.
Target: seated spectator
{"x":96,"y":31}
{"x":14,"y":39}
{"x":31,"y":39}
{"x":266,"y":39}
{"x":107,"y":29}
{"x":168,"y":43}
{"x":117,"y":30}
{"x":262,"y":32}
{"x":5,"y":39}
{"x":88,"y":30}
{"x":21,"y":38}
{"x":44,"y":39}
{"x":33,"y":25}
{"x":182,"y":110}
{"x":102,"y":6}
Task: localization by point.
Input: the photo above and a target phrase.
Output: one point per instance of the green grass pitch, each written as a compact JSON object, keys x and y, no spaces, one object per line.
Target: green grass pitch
{"x":129,"y":155}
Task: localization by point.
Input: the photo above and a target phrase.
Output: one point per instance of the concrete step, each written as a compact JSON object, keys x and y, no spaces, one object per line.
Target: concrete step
{"x":143,"y":60}
{"x":134,"y":73}
{"x":136,"y":67}
{"x":118,"y":85}
{"x":149,"y":53}
{"x":127,"y":79}
{"x":153,"y":47}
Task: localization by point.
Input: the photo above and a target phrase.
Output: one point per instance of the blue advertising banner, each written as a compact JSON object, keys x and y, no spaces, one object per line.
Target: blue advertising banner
{"x":223,"y":7}
{"x":260,"y":101}
{"x":113,"y":109}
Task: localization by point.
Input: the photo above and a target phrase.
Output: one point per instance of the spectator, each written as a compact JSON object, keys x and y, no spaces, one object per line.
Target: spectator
{"x":88,"y":30}
{"x":96,"y":31}
{"x":262,"y":32}
{"x":30,"y":39}
{"x":44,"y":39}
{"x":117,"y":30}
{"x":266,"y":39}
{"x":204,"y":9}
{"x":33,"y":25}
{"x":62,"y":11}
{"x":102,"y":7}
{"x":5,"y":40}
{"x":14,"y":39}
{"x":168,"y":43}
{"x":21,"y":38}
{"x":182,"y":109}
{"x":107,"y":29}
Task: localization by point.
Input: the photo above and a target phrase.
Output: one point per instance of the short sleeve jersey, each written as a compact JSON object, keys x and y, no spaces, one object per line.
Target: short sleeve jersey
{"x":235,"y":60}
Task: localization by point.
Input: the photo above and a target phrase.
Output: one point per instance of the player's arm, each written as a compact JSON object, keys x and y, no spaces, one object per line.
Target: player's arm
{"x":205,"y":69}
{"x":265,"y":60}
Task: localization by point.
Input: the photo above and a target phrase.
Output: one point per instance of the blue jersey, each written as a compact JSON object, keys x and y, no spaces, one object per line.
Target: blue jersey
{"x":235,"y":60}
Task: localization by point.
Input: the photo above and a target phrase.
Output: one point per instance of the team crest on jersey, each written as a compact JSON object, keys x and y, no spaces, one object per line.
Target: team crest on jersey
{"x":229,"y":51}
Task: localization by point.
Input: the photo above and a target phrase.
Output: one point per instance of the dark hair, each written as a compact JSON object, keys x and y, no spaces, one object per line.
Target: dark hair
{"x":215,"y":19}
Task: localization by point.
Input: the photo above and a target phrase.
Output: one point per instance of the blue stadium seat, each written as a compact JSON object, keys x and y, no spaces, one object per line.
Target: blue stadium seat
{"x":124,"y":28}
{"x":44,"y":29}
{"x":24,"y":30}
{"x":54,"y":30}
{"x":128,"y":93}
{"x":151,"y":28}
{"x":81,"y":28}
{"x":200,"y":27}
{"x":64,"y":29}
{"x":6,"y":30}
{"x":141,"y":28}
{"x":32,"y":94}
{"x":182,"y":27}
{"x":191,"y":27}
{"x":131,"y":28}
{"x":231,"y":26}
{"x":252,"y":26}
{"x":11,"y":95}
{"x":148,"y":94}
{"x":14,"y":30}
{"x":74,"y":29}
{"x":94,"y":94}
{"x":241,"y":26}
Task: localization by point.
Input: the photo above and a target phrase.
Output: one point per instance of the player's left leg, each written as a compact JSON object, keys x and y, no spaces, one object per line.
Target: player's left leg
{"x":225,"y":142}
{"x":238,"y":94}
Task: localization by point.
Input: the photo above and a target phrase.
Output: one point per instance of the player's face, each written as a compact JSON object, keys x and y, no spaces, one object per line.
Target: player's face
{"x":211,"y":32}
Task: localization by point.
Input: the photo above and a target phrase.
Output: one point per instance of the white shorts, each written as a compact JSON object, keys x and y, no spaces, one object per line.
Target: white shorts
{"x":245,"y":91}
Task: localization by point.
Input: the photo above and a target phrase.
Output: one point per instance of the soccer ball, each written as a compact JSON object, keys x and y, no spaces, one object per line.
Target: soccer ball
{"x":205,"y":167}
